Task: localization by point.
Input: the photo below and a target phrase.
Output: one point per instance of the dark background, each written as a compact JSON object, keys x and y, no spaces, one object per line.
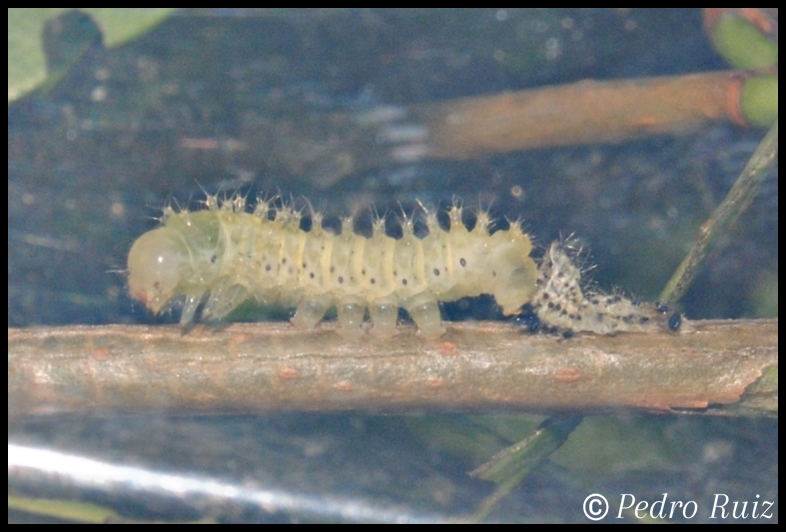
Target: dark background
{"x":265,"y":102}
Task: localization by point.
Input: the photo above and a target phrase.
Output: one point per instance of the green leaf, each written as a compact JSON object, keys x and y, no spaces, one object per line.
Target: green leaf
{"x":742,"y":45}
{"x":27,"y":61}
{"x":759,"y":100}
{"x":120,"y":25}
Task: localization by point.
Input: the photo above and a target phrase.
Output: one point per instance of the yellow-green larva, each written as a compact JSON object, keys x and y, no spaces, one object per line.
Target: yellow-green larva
{"x":221,"y":256}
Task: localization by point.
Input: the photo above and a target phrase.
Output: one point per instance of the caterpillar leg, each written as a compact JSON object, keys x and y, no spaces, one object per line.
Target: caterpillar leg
{"x":384,"y":315}
{"x":351,"y":311}
{"x":223,"y":299}
{"x":424,"y":310}
{"x":310,"y":311}
{"x":190,"y":305}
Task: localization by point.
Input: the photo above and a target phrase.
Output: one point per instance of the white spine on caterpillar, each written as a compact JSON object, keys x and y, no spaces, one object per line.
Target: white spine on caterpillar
{"x":224,"y":256}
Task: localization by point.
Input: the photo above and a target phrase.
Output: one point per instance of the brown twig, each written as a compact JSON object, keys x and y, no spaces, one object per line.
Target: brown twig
{"x":475,"y":366}
{"x":580,"y":113}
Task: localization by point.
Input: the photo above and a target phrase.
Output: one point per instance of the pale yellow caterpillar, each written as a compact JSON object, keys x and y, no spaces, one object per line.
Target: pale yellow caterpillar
{"x":222,"y":256}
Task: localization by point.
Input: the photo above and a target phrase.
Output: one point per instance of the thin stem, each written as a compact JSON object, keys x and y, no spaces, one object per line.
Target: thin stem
{"x":734,"y":204}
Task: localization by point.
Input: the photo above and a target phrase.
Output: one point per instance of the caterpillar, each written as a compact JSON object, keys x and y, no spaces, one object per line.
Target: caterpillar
{"x":219,"y":257}
{"x":223,"y":255}
{"x":562,"y":303}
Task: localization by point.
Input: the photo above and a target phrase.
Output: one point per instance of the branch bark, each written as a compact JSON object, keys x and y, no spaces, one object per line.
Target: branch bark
{"x":580,"y":113}
{"x":475,"y":366}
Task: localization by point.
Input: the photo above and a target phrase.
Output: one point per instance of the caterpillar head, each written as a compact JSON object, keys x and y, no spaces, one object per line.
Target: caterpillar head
{"x":156,"y":264}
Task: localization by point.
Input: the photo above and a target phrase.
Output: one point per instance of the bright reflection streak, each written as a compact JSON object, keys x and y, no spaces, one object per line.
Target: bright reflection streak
{"x":24,"y":462}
